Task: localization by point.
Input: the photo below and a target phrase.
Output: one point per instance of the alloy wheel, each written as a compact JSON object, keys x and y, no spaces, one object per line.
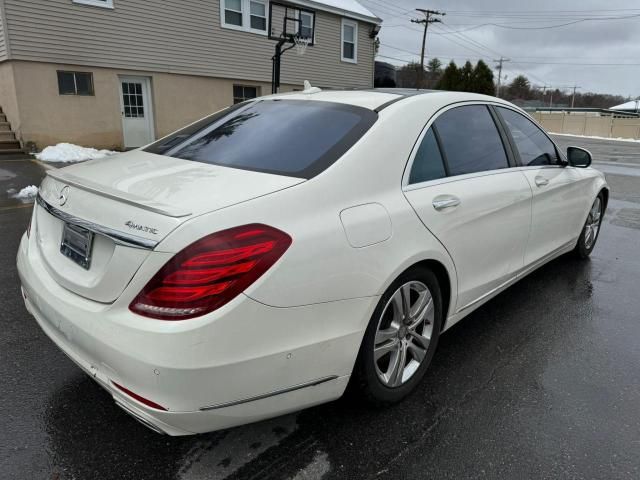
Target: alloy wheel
{"x":593,"y":224}
{"x":403,"y":334}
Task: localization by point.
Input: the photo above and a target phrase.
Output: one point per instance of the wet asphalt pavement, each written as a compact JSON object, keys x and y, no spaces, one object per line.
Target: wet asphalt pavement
{"x":541,"y":382}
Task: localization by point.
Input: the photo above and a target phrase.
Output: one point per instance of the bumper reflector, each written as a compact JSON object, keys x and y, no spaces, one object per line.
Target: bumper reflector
{"x":137,"y":397}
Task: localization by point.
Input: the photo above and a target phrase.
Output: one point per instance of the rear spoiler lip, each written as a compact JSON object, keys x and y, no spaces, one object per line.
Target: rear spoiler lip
{"x":118,"y":195}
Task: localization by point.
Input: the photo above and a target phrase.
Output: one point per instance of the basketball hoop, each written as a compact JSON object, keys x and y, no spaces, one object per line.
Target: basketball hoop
{"x":291,"y":27}
{"x":301,"y":44}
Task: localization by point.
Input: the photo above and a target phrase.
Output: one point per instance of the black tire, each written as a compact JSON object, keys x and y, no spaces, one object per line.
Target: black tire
{"x":583,"y":249}
{"x":365,"y":381}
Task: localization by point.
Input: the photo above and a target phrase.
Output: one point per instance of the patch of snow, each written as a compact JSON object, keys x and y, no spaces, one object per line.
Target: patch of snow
{"x":68,"y":152}
{"x":617,"y":139}
{"x":26,"y":193}
{"x":348,"y":6}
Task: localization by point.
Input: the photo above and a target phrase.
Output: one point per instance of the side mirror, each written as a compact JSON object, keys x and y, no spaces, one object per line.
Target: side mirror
{"x":579,"y":157}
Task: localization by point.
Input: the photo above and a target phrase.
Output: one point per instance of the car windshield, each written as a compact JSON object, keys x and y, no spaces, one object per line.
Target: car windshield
{"x":298,"y":138}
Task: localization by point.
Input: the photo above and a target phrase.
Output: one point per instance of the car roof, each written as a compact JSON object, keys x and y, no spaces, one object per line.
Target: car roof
{"x":374,"y":98}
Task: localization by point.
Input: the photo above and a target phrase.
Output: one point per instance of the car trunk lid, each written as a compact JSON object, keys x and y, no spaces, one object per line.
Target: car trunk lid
{"x":129,"y":203}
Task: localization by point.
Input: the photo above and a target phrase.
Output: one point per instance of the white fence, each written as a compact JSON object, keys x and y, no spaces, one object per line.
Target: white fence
{"x":589,"y":125}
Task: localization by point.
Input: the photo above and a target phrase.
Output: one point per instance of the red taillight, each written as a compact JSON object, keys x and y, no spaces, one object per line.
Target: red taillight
{"x":143,"y":400}
{"x":211,"y":272}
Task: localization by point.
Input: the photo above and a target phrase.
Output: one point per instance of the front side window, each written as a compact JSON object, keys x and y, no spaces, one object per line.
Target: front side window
{"x":532,"y":144}
{"x":428,"y":163}
{"x":349,"y":41}
{"x":75,"y":83}
{"x":249,"y":15}
{"x":242,"y":93}
{"x":298,"y":138}
{"x":470,"y":140}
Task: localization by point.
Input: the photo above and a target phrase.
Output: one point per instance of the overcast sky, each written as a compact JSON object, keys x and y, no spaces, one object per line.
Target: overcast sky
{"x":596,"y":35}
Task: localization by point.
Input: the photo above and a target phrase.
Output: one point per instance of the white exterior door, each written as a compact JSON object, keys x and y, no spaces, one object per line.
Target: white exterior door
{"x":558,"y":214}
{"x":137,"y":114}
{"x":464,"y":190}
{"x":559,"y":193}
{"x":485,"y":230}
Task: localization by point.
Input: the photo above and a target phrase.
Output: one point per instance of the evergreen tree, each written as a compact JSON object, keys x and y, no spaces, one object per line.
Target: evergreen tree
{"x":434,"y":66}
{"x":483,"y":79}
{"x":451,"y":78}
{"x":520,"y":87}
{"x":466,"y":77}
{"x":407,"y":76}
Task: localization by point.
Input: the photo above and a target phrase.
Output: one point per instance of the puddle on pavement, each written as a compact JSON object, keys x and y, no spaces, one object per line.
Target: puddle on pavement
{"x":627,"y":217}
{"x":218,"y":459}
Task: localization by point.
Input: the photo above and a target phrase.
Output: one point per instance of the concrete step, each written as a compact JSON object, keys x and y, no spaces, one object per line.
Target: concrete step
{"x":5,"y":127}
{"x":7,"y":136}
{"x":14,"y":154}
{"x":10,"y":145}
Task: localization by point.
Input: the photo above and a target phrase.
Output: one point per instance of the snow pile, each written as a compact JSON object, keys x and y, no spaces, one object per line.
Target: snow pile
{"x":68,"y":152}
{"x":26,"y":193}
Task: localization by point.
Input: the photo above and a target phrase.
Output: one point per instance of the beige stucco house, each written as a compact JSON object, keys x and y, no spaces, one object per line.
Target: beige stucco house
{"x":121,"y":73}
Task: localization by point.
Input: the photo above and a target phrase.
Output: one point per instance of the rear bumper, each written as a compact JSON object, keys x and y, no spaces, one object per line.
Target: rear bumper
{"x":243,"y":363}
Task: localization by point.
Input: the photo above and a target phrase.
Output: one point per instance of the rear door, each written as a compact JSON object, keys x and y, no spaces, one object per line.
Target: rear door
{"x":462,"y":185}
{"x":558,"y":191}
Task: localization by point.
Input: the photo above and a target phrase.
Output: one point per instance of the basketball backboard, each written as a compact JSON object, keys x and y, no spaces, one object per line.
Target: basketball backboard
{"x":288,"y":22}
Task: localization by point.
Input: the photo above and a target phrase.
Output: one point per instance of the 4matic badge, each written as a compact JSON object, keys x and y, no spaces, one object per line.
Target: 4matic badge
{"x":141,"y":228}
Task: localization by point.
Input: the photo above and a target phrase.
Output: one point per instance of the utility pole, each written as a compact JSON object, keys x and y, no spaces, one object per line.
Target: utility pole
{"x":500,"y":62}
{"x":428,"y":18}
{"x":573,"y":97}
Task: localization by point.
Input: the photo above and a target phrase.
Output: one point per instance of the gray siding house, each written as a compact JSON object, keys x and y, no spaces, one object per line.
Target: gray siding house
{"x":121,"y":73}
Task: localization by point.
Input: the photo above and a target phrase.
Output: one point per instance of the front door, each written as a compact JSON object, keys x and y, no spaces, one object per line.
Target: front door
{"x":137,"y":115}
{"x":559,"y":192}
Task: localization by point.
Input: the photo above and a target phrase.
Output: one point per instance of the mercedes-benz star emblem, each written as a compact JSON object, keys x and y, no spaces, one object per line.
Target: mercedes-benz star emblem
{"x":64,"y":195}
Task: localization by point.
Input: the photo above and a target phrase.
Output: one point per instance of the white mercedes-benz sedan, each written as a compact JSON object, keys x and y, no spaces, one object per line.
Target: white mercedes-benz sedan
{"x":261,"y":260}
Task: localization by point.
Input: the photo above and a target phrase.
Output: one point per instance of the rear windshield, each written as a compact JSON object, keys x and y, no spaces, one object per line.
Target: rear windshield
{"x":298,"y":138}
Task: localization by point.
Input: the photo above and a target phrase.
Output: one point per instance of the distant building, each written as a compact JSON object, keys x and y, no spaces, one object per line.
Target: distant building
{"x":632,"y":106}
{"x":385,"y":75}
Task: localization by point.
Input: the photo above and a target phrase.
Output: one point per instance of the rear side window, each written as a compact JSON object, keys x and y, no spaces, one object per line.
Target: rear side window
{"x":428,"y":164}
{"x":299,"y":138}
{"x":470,"y":140}
{"x":533,"y":145}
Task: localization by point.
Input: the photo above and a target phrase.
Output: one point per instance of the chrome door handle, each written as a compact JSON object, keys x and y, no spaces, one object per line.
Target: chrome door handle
{"x":446,"y":203}
{"x":541,"y":181}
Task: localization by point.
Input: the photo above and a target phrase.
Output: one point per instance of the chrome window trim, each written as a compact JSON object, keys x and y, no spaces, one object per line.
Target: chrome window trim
{"x":120,"y":238}
{"x":300,"y":386}
{"x":406,"y":185}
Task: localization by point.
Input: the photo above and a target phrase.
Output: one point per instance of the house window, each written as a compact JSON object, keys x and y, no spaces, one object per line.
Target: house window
{"x":96,"y":3}
{"x":243,"y":92}
{"x":247,"y":15}
{"x":306,"y":24}
{"x":233,"y":13}
{"x":349,"y":41}
{"x":258,"y":15}
{"x":75,"y":83}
